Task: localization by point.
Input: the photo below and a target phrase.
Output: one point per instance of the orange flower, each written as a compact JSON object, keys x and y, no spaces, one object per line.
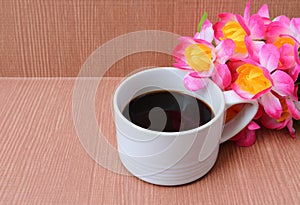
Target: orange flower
{"x":234,"y":31}
{"x":252,"y":81}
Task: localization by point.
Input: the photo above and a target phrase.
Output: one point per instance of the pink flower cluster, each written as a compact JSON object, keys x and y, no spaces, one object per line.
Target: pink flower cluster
{"x":254,"y":55}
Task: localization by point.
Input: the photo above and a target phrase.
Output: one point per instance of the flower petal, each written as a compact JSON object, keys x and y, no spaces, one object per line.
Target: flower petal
{"x":253,"y":126}
{"x":295,"y":27}
{"x":247,"y":11}
{"x":270,"y":123}
{"x":274,"y":29}
{"x":294,"y":97}
{"x":204,"y":74}
{"x":291,"y":129}
{"x":242,"y":93}
{"x":269,"y":56}
{"x":224,"y":50}
{"x":271,"y":105}
{"x":282,"y":19}
{"x":252,"y":81}
{"x":257,"y":27}
{"x":259,"y":112}
{"x":194,"y":84}
{"x":253,"y":48}
{"x":178,"y":52}
{"x":218,"y":29}
{"x":294,"y":72}
{"x":287,"y":57}
{"x":194,"y":54}
{"x":206,"y":33}
{"x":227,"y":16}
{"x":264,"y":11}
{"x":247,"y":95}
{"x":182,"y":65}
{"x":296,"y":54}
{"x":283,"y":124}
{"x":293,"y":109}
{"x":241,"y":21}
{"x":222,"y":76}
{"x":283,"y":83}
{"x":247,"y":138}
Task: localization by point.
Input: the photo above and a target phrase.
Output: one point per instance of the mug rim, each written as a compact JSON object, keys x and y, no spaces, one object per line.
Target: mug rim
{"x":196,"y":129}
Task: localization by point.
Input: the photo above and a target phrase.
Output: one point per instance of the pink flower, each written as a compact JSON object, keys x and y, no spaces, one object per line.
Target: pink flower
{"x":232,"y":27}
{"x":247,"y":136}
{"x":206,"y":33}
{"x":283,"y":83}
{"x":193,"y":82}
{"x":253,"y":55}
{"x":281,"y":105}
{"x":267,"y":61}
{"x":282,"y":26}
{"x":283,"y":87}
{"x":237,"y":28}
{"x":291,"y":109}
{"x":285,"y":35}
{"x":256,"y":22}
{"x":252,"y":81}
{"x":195,"y":55}
{"x":201,"y":59}
{"x":222,"y":75}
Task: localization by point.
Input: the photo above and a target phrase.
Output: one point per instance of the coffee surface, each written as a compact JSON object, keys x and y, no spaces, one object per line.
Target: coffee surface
{"x":167,"y":111}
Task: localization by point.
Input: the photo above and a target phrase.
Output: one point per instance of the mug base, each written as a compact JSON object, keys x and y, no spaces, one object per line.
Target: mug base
{"x":175,"y":175}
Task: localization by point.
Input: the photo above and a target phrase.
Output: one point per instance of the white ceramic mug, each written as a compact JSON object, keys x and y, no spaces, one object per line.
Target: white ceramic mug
{"x":174,"y":158}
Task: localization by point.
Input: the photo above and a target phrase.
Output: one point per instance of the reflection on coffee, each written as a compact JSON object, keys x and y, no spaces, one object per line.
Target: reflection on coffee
{"x":167,"y":111}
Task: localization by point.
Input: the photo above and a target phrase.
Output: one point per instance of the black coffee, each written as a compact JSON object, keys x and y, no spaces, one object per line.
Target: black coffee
{"x":167,"y":111}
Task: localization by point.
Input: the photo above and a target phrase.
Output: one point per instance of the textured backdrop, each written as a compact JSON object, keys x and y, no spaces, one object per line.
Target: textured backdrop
{"x":53,"y":38}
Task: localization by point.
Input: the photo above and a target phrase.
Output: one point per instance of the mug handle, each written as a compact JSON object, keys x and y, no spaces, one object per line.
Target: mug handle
{"x":242,"y":119}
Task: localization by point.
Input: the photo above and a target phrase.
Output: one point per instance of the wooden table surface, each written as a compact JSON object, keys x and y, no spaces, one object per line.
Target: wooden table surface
{"x":43,"y":162}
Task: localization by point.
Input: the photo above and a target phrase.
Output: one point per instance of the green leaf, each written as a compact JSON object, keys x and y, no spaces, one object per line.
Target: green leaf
{"x":203,"y":18}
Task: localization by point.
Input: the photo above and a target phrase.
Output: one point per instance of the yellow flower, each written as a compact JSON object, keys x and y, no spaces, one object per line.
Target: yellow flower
{"x":234,"y":31}
{"x":252,"y":79}
{"x":283,"y":40}
{"x":198,"y":57}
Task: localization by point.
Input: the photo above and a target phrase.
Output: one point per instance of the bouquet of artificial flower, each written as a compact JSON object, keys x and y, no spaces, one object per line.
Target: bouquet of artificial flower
{"x":254,"y":55}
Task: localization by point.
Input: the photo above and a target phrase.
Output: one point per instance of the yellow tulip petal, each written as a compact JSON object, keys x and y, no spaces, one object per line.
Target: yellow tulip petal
{"x":234,"y":31}
{"x":198,"y":57}
{"x":252,"y":79}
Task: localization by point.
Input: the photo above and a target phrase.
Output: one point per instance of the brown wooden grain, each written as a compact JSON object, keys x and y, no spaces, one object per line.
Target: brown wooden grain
{"x":53,"y":38}
{"x":43,"y":162}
